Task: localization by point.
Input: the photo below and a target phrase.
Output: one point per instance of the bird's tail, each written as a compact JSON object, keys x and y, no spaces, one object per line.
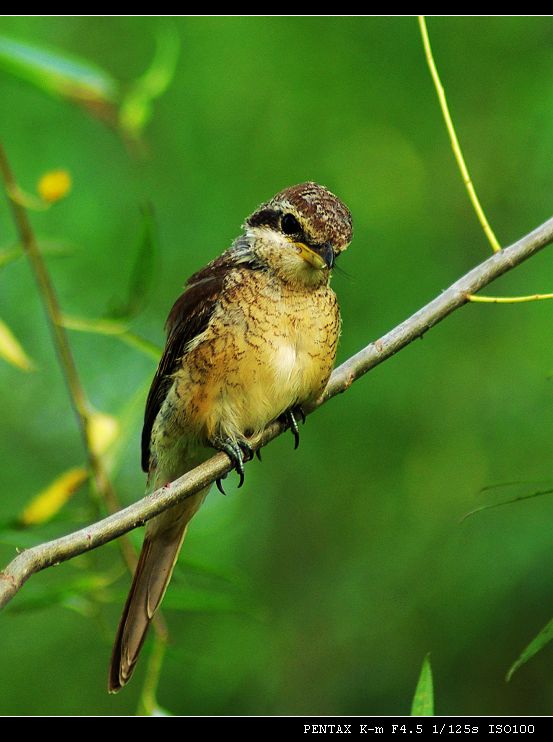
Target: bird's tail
{"x":160,"y":550}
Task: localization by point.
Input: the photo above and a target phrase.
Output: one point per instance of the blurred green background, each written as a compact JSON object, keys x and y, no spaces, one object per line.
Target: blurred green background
{"x":319,"y":587}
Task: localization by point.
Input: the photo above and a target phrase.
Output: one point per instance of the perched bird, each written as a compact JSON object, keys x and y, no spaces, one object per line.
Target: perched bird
{"x":251,"y":339}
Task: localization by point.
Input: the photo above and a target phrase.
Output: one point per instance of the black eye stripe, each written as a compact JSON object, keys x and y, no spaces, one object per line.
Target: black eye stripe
{"x":265,"y":218}
{"x":290,"y":225}
{"x":277,"y":220}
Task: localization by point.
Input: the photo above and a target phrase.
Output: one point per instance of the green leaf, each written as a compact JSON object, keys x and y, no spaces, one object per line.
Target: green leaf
{"x":9,"y":255}
{"x":58,"y":73}
{"x":423,"y":700}
{"x":71,"y":594}
{"x":159,"y":711}
{"x":12,"y":351}
{"x":46,"y":503}
{"x":12,"y":534}
{"x":52,"y":249}
{"x":210,"y":572}
{"x":102,"y":431}
{"x":136,"y":108}
{"x":129,"y":418}
{"x":192,"y":599}
{"x":143,"y":269}
{"x":537,"y":644}
{"x":512,"y":500}
{"x":144,"y":346}
{"x":95,"y":326}
{"x":79,"y":604}
{"x":115,"y":328}
{"x":198,"y":600}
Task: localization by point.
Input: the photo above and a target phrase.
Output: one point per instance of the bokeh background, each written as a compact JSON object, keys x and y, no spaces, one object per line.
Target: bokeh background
{"x":320,"y":586}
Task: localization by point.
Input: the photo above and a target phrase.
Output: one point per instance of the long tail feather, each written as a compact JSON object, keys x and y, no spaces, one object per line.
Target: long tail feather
{"x":160,"y":550}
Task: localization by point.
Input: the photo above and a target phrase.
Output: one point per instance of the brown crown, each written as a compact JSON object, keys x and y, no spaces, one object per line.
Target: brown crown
{"x":322,"y":215}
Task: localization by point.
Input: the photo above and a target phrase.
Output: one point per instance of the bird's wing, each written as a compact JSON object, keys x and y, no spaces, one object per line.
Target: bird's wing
{"x":188,"y":318}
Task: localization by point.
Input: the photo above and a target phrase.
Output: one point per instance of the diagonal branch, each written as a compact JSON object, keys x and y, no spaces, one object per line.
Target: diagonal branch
{"x":48,"y":554}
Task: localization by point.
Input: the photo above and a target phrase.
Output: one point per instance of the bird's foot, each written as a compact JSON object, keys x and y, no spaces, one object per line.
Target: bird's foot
{"x":291,"y":418}
{"x":239,"y":451}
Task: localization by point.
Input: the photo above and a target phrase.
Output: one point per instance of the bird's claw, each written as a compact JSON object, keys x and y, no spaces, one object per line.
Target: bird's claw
{"x":238,"y":452}
{"x":291,"y":418}
{"x":219,"y":483}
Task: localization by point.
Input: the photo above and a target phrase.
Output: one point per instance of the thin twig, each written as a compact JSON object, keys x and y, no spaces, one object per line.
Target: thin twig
{"x":508,"y":299}
{"x":493,"y":505}
{"x":48,"y":296}
{"x":453,"y":138}
{"x":54,"y":317}
{"x":45,"y":555}
{"x":147,"y":704}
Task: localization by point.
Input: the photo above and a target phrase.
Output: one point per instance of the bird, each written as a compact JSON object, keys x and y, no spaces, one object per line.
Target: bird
{"x":252,"y":339}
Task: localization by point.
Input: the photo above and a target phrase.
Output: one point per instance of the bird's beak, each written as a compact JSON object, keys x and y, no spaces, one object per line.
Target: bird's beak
{"x":319,"y":256}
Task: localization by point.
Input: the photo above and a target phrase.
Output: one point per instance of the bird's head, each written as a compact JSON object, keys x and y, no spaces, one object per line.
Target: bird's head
{"x":300,"y":232}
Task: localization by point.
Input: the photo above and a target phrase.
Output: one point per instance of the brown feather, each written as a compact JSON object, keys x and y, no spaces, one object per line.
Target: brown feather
{"x":188,"y":318}
{"x":160,"y":550}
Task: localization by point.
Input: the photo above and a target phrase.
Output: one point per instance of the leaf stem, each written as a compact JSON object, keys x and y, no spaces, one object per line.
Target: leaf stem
{"x":496,"y":247}
{"x":507,"y":299}
{"x":148,"y":704}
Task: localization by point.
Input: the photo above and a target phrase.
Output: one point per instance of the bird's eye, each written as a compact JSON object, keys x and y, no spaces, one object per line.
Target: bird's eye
{"x":290,"y":224}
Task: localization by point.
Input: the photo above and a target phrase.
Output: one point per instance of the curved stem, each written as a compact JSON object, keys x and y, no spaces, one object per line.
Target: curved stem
{"x":456,"y":147}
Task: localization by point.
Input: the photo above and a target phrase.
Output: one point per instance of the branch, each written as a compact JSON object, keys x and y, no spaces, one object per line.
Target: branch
{"x":54,"y":318}
{"x":48,"y":297}
{"x":79,"y":401}
{"x":48,"y":554}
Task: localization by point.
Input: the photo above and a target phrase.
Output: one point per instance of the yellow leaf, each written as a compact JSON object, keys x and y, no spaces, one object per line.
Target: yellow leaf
{"x":47,"y":503}
{"x":102,"y":431}
{"x":54,"y":185}
{"x":11,"y":350}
